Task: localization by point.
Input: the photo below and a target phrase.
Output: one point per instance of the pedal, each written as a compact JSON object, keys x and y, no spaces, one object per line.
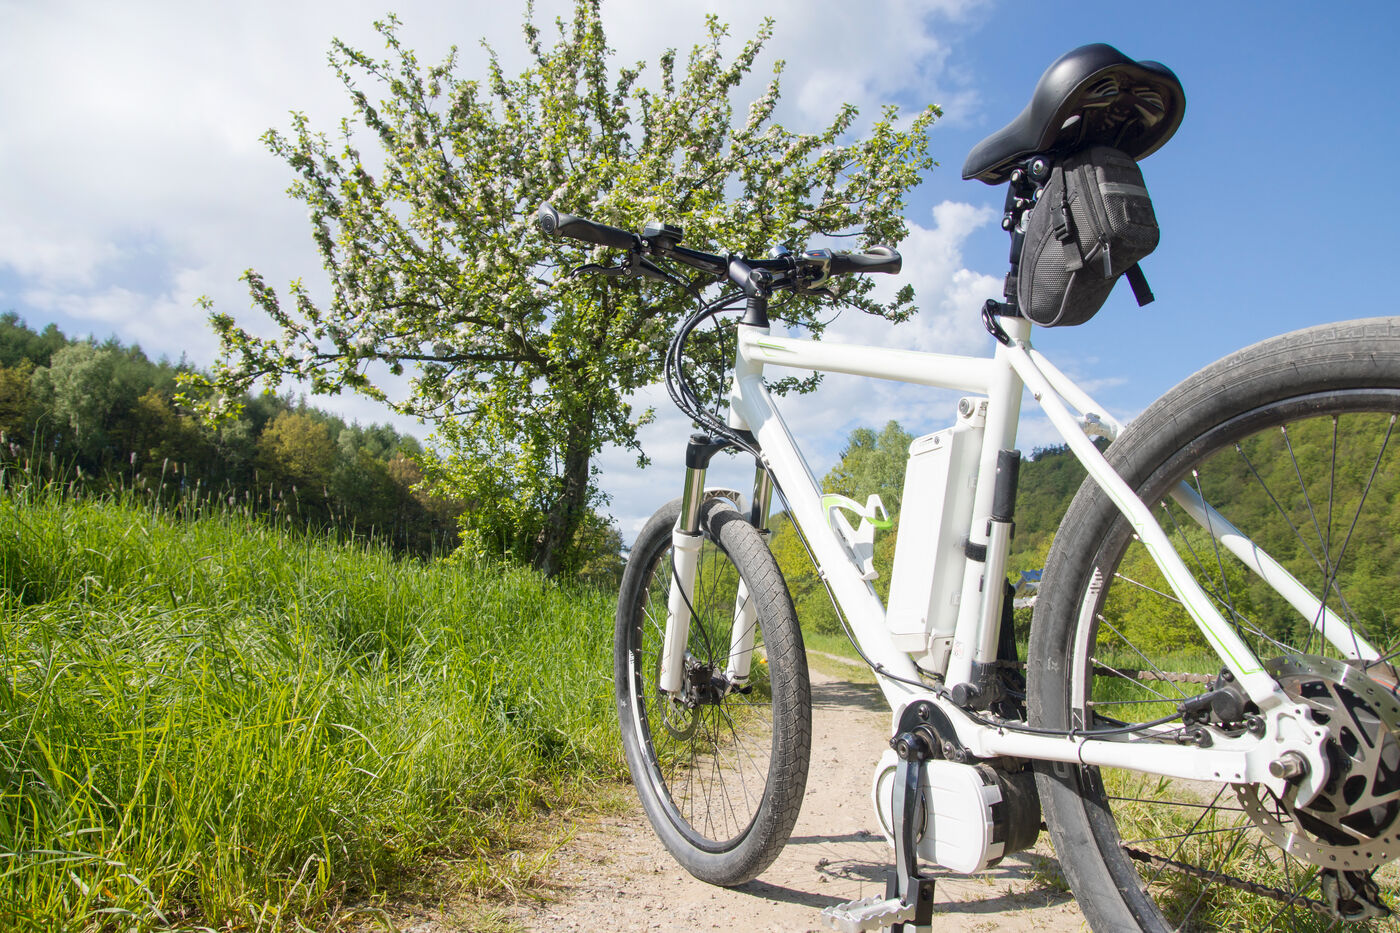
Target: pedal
{"x":870,"y":913}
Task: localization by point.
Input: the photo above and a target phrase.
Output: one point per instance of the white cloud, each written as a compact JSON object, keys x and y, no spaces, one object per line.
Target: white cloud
{"x":887,"y":51}
{"x":135,"y":180}
{"x":145,"y":117}
{"x":164,"y":324}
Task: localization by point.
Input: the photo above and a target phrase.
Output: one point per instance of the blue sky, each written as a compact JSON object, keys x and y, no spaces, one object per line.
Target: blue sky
{"x":132,"y":179}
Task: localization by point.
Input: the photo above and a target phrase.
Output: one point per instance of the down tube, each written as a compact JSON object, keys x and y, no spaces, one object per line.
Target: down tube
{"x":857,"y":597}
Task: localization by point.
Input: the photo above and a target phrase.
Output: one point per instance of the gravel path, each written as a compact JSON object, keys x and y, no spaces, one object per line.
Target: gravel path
{"x":614,"y":875}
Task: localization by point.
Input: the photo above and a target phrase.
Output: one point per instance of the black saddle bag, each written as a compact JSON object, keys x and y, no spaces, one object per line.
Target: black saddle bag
{"x":1091,"y":224}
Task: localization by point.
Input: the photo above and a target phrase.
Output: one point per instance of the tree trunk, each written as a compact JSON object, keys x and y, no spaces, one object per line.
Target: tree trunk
{"x":554,"y":547}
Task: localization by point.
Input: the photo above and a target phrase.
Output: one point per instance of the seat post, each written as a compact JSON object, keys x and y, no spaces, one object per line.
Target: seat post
{"x":1020,"y":198}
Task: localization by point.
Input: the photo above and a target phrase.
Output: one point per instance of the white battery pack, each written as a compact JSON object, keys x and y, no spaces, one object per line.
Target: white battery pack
{"x":940,"y":481}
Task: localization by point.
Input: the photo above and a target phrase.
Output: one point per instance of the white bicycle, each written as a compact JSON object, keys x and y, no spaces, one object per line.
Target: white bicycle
{"x":1207,"y":719}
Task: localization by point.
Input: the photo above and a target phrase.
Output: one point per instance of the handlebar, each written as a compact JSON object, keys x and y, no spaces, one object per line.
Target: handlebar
{"x":554,"y":223}
{"x":876,"y":259}
{"x":801,"y":270}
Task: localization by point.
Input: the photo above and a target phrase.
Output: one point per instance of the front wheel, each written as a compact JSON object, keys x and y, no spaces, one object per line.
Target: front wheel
{"x":721,"y":768}
{"x":1294,"y":442}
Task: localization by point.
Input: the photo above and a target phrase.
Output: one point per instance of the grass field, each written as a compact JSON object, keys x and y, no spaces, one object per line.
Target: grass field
{"x":216,"y":723}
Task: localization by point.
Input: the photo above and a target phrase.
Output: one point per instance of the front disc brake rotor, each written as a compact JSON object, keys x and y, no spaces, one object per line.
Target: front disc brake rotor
{"x":679,"y":717}
{"x":1352,"y":823}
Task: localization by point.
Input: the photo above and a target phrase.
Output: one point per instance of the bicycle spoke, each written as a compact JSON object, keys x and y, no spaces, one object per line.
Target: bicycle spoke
{"x":1307,"y":499}
{"x":743,"y":784}
{"x":1120,"y":674}
{"x":1098,"y":703}
{"x":1157,"y":801}
{"x":1298,"y":536}
{"x":1240,"y":620}
{"x":1170,"y":597}
{"x":1153,"y":667}
{"x":1370,"y":481}
{"x":1215,"y":546}
{"x":1176,"y":853}
{"x":1217,"y":872}
{"x":1292,"y":886}
{"x":1327,"y":541}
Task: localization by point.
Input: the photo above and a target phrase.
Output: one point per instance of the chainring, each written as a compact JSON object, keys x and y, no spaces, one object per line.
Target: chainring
{"x":1354,"y":821}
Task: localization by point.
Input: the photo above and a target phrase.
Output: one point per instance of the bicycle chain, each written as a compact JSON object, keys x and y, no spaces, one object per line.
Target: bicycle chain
{"x":1239,"y":884}
{"x":1175,"y":677}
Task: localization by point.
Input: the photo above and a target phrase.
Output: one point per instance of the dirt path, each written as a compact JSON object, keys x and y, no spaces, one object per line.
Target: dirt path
{"x":614,"y":875}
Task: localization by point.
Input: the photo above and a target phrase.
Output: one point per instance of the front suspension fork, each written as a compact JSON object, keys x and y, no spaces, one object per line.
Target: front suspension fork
{"x":686,"y":541}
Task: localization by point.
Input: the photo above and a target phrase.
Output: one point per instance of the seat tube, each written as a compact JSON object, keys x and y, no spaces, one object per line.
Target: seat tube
{"x":979,"y":614}
{"x":686,"y":539}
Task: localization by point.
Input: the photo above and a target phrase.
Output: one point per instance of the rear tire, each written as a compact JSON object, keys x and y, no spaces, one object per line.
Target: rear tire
{"x":722,"y":781}
{"x":1294,"y":440}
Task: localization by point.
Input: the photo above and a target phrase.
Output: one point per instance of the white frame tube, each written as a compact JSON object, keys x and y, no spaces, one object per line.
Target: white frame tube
{"x":1221,"y":636}
{"x":741,"y":636}
{"x":1326,"y":622}
{"x":685,"y":557}
{"x":1002,"y":378}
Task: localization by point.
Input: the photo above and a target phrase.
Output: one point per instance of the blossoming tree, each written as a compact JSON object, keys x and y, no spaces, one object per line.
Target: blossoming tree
{"x":435,"y":267}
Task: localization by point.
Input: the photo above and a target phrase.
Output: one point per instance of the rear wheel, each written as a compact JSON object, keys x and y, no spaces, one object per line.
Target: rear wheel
{"x":721,"y":770}
{"x":1295,"y":443}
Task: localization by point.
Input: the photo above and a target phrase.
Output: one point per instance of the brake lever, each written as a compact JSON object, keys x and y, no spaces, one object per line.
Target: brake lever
{"x":647,"y":269}
{"x":593,"y":268}
{"x":636,"y":266}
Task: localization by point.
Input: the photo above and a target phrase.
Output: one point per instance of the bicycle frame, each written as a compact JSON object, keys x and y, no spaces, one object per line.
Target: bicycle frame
{"x":1002,"y":379}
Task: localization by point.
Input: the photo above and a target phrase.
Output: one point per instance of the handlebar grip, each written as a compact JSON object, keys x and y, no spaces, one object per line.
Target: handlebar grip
{"x":876,"y":259}
{"x":555,"y":223}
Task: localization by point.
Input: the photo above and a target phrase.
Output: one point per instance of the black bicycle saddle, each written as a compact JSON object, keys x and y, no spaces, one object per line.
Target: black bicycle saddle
{"x":1092,"y":96}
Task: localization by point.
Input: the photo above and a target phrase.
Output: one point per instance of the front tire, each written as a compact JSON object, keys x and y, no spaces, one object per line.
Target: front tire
{"x":1294,"y":441}
{"x":721,"y":781}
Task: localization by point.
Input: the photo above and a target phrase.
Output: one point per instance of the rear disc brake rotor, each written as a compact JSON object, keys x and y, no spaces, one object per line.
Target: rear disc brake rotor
{"x":1352,"y":824}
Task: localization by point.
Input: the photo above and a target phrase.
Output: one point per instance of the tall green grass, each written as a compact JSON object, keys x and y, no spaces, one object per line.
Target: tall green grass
{"x":214,"y":723}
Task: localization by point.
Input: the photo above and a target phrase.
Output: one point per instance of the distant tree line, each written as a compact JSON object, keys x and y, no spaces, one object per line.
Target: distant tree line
{"x":104,"y":415}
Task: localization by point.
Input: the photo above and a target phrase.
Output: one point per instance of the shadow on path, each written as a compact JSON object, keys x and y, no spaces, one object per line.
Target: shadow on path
{"x":1020,"y":871}
{"x":842,"y":694}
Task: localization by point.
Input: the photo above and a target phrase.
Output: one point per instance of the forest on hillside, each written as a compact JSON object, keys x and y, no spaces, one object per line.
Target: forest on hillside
{"x":105,"y":416}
